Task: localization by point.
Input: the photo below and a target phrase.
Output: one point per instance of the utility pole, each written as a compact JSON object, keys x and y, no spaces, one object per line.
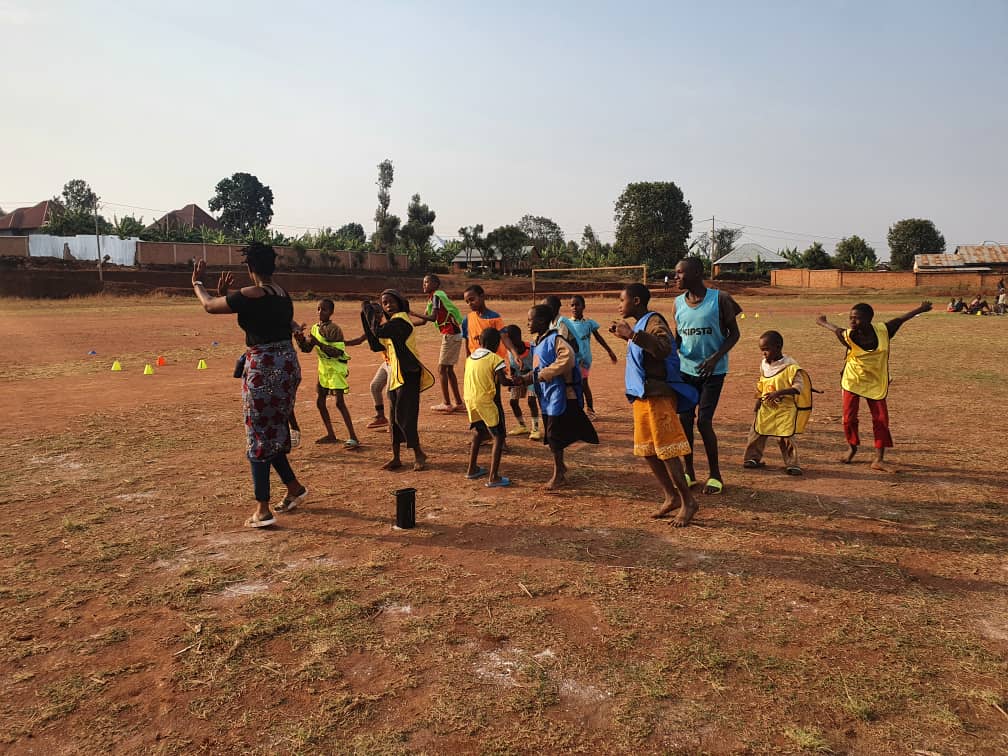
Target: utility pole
{"x":713,"y":245}
{"x":101,"y":275}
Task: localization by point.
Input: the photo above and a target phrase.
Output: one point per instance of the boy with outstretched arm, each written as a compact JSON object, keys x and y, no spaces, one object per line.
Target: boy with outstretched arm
{"x":658,"y":394}
{"x":866,"y":374}
{"x":326,"y":339}
{"x":583,"y":329}
{"x":484,"y":373}
{"x":443,"y":313}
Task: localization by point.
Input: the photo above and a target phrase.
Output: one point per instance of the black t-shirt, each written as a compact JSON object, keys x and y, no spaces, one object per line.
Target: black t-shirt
{"x":264,"y":319}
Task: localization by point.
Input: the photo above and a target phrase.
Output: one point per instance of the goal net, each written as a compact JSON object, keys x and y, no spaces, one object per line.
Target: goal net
{"x":563,"y":281}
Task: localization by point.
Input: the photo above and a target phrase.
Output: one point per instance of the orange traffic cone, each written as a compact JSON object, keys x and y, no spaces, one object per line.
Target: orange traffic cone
{"x":161,"y":361}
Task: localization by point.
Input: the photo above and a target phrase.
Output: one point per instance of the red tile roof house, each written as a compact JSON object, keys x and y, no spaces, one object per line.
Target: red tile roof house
{"x":190,"y":216}
{"x":28,"y":220}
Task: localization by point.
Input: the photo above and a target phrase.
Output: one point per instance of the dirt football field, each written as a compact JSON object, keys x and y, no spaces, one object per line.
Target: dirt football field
{"x":844,"y":611}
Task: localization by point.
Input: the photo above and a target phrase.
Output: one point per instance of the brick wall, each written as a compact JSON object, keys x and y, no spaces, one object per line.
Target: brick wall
{"x":13,"y":246}
{"x":951,"y":283}
{"x":850,"y":279}
{"x":177,"y":253}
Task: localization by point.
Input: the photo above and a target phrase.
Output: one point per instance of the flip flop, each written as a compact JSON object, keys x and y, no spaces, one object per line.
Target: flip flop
{"x":291,"y":502}
{"x":351,"y":443}
{"x":793,"y":471}
{"x":689,"y":481}
{"x":752,"y":464}
{"x":715,"y":484}
{"x":253,"y":522}
{"x":480,"y":472}
{"x":502,"y":483}
{"x":327,"y":440}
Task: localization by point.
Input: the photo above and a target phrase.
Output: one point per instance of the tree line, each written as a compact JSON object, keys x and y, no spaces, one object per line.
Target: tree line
{"x":653,"y":219}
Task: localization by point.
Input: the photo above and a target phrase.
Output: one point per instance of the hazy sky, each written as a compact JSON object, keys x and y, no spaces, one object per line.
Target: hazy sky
{"x":815,"y":119}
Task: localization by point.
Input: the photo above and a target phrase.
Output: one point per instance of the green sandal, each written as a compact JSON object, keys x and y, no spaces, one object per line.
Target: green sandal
{"x":715,"y":486}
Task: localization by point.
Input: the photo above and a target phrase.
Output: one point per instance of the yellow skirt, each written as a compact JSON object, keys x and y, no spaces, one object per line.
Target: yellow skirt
{"x":657,"y":430}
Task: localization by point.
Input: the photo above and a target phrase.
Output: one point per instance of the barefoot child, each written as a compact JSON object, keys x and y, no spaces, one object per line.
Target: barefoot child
{"x":520,"y":368}
{"x":407,"y":376}
{"x":783,"y":405}
{"x":658,"y":394}
{"x":557,"y":383}
{"x":583,"y":329}
{"x":866,"y":374}
{"x":326,"y":339}
{"x":484,"y":371}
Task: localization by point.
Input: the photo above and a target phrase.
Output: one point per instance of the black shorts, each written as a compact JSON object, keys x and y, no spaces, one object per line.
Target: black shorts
{"x":482,"y":427}
{"x":709,"y":389}
{"x":323,"y":391}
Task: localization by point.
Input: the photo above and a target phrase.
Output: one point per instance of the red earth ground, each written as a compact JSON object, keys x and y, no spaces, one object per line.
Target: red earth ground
{"x":843,"y":611}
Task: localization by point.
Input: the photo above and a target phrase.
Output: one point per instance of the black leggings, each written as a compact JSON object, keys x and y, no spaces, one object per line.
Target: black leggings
{"x":261,"y":474}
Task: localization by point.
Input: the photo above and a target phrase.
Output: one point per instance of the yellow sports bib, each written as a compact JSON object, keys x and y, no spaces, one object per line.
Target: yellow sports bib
{"x":790,"y":415}
{"x":866,"y":373}
{"x":395,"y":376}
{"x":480,"y":388}
{"x":332,"y":371}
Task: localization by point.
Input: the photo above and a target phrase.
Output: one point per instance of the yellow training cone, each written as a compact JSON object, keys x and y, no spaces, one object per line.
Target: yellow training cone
{"x":201,"y":365}
{"x":116,"y":367}
{"x":756,"y":316}
{"x":148,"y":370}
{"x":742,"y":316}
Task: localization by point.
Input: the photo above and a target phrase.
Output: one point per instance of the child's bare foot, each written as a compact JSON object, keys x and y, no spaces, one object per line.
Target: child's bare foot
{"x":555,"y":482}
{"x":667,"y":506}
{"x":685,"y":514}
{"x":883,"y":467}
{"x":419,"y":461}
{"x":392,"y":464}
{"x":849,"y":457}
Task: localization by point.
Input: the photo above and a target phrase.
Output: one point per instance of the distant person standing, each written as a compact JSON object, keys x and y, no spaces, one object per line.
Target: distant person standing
{"x":706,"y":330}
{"x":666,"y":282}
{"x":446,"y":316}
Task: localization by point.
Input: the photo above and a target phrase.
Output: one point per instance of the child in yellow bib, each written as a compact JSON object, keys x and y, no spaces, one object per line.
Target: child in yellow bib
{"x":866,"y":374}
{"x":326,"y":339}
{"x":783,"y":405}
{"x":484,"y":373}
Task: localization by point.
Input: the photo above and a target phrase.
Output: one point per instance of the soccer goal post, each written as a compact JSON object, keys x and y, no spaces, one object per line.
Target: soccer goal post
{"x":585,"y":280}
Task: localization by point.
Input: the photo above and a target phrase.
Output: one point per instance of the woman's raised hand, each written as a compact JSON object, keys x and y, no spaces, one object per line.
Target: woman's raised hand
{"x":225,"y":283}
{"x":199,"y":267}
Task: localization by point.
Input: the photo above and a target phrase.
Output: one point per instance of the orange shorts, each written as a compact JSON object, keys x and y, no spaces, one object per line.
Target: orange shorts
{"x":657,"y":430}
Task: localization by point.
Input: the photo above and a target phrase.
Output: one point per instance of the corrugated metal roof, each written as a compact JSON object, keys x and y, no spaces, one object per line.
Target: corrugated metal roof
{"x":475,"y":256}
{"x":748,"y":252}
{"x":965,"y":255}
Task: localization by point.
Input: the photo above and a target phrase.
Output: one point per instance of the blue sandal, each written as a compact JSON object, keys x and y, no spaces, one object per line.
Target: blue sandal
{"x":502,"y":483}
{"x":480,"y":472}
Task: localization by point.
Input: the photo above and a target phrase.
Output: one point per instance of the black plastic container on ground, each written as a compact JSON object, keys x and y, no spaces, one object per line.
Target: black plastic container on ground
{"x":405,"y":508}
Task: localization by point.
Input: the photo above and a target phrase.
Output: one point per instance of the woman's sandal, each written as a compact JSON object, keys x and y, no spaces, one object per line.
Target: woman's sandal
{"x":255,"y":522}
{"x":291,"y":502}
{"x":713,"y":487}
